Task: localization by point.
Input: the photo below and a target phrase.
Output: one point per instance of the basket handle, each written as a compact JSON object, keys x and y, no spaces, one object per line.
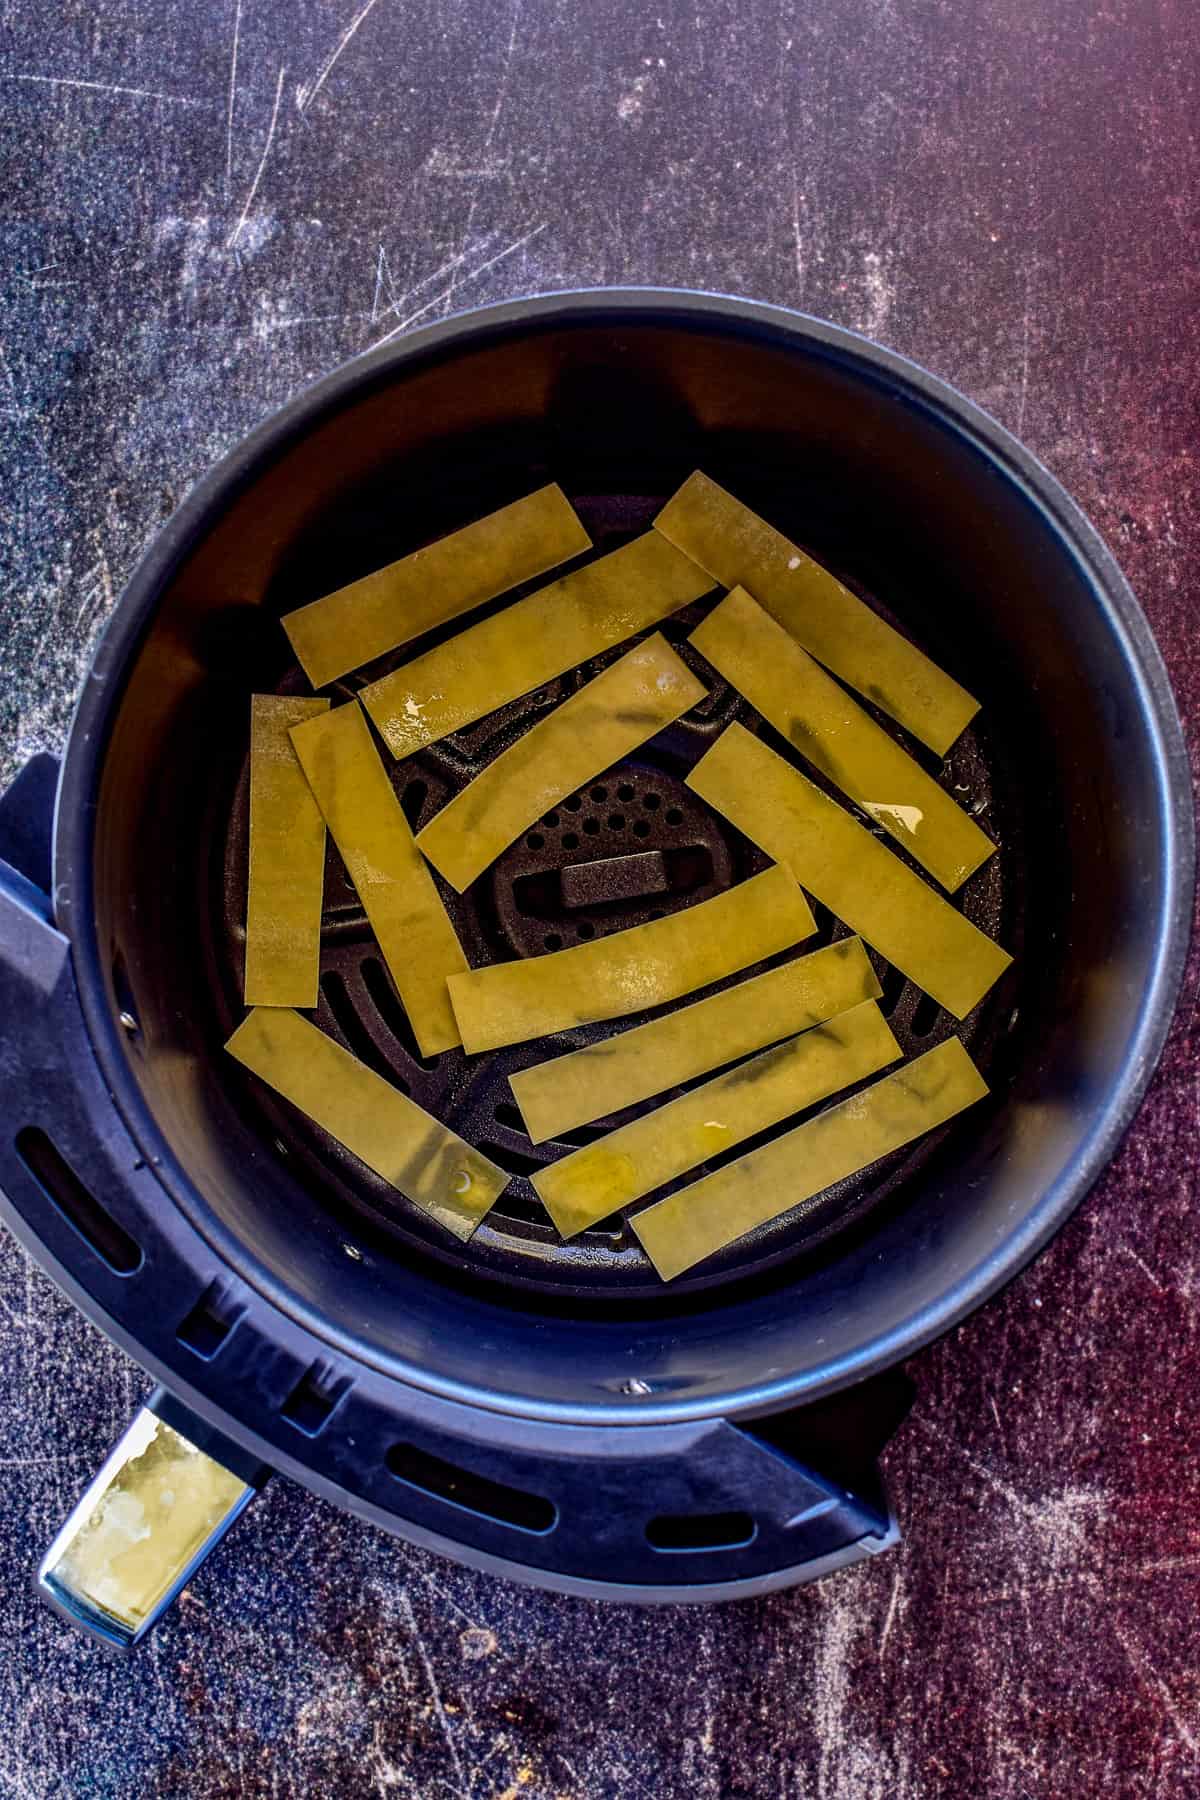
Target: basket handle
{"x":165,"y":1496}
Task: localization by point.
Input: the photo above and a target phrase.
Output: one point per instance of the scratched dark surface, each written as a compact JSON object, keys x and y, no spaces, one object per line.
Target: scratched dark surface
{"x":202,"y":207}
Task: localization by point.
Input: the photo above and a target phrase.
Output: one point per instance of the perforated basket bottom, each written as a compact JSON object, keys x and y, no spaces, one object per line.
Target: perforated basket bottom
{"x":633,"y":845}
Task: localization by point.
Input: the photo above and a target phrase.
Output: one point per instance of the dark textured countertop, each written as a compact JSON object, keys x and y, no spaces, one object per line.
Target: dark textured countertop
{"x":202,"y":208}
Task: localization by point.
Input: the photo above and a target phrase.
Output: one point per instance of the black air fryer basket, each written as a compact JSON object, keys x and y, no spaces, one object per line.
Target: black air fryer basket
{"x":547,"y":1409}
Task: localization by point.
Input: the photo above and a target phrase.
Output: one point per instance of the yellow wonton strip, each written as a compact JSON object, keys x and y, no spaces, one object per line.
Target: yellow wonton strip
{"x":682,"y":1230}
{"x":452,"y":1182}
{"x":834,"y":625}
{"x":392,"y":606}
{"x":594,"y":1182}
{"x":792,"y":692}
{"x":402,"y":904}
{"x":631,"y":970}
{"x":287,"y":860}
{"x":532,"y":641}
{"x":603,"y":1078}
{"x":849,"y":870}
{"x":595,"y":728}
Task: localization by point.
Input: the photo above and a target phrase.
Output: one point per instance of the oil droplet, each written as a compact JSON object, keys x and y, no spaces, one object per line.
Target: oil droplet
{"x":907,"y":817}
{"x":716,"y":1135}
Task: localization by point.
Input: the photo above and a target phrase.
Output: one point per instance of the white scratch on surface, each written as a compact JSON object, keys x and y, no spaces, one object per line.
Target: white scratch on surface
{"x":472,"y":275}
{"x":447,"y":1597}
{"x":110,"y":87}
{"x":16,"y":410}
{"x":880,"y":294}
{"x":502,"y":86}
{"x":237,"y":29}
{"x":497,"y":109}
{"x":1024,"y":389}
{"x":396,"y":302}
{"x":1152,"y":1680}
{"x":410,"y":1617}
{"x":1058,"y":1518}
{"x":305,"y":95}
{"x":98,"y":595}
{"x":891,"y":1616}
{"x":1147,"y":1272}
{"x":265,"y":328}
{"x":851,"y":1761}
{"x":382,"y":274}
{"x":797,"y":240}
{"x":262,"y":163}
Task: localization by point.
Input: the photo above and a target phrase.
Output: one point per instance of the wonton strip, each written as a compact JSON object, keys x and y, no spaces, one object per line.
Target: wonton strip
{"x":849,"y":870}
{"x":834,"y":625}
{"x":287,"y":860}
{"x":391,"y":606}
{"x":796,"y":696}
{"x":603,"y":1078}
{"x":595,"y":728}
{"x":593,"y":1182}
{"x":403,"y":907}
{"x":394,"y":1136}
{"x":631,"y":970}
{"x":683,"y":1229}
{"x":532,"y":641}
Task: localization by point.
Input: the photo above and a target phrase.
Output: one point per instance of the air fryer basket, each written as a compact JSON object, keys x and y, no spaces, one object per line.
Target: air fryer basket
{"x":308,"y":1317}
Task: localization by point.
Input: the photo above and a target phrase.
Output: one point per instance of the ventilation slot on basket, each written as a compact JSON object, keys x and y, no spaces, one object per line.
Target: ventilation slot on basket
{"x":311,"y":1403}
{"x":701,"y":1531}
{"x":583,"y":1134}
{"x":210,"y":1322}
{"x":475,"y":1493}
{"x":893,"y":983}
{"x":412,"y":800}
{"x":925,"y":1016}
{"x":348,"y":1021}
{"x":77,"y":1204}
{"x":387,"y":1003}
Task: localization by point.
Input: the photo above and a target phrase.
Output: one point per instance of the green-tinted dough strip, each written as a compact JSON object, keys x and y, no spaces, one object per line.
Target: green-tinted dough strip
{"x":386,"y":1130}
{"x":631,"y":970}
{"x":593,"y":1182}
{"x":605,"y":721}
{"x":402,"y":904}
{"x":394,"y":605}
{"x":849,"y":870}
{"x":680,"y":1231}
{"x":531,"y":642}
{"x":766,"y":664}
{"x":834,"y":625}
{"x":287,"y":860}
{"x":603,"y":1078}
